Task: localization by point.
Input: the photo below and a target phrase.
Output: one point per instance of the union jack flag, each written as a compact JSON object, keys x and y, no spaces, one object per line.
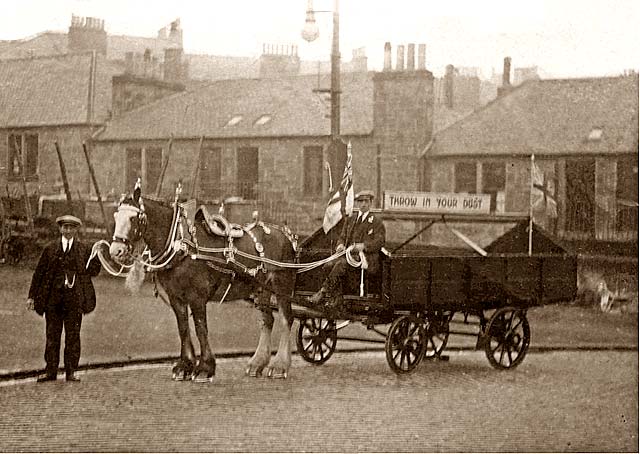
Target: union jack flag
{"x":341,"y":201}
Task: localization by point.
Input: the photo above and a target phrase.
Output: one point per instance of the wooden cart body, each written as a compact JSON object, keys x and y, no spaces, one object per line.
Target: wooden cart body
{"x":429,"y":285}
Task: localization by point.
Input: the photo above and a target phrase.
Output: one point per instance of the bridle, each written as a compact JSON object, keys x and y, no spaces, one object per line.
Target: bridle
{"x":138,"y":223}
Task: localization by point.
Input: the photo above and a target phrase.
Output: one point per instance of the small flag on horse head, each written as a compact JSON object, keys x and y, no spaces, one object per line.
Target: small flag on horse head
{"x":341,"y":201}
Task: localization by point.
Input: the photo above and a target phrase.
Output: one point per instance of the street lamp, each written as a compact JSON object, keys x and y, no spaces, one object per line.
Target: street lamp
{"x":310,"y":33}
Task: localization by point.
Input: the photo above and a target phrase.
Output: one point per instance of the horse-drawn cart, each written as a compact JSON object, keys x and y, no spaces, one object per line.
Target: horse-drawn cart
{"x":421,"y":288}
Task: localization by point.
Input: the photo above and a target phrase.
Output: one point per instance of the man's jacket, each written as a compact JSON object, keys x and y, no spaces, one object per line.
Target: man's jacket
{"x":54,"y":268}
{"x":371,"y":232}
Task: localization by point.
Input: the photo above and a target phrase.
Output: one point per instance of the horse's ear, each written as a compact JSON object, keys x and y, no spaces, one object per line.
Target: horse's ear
{"x":137,"y":190}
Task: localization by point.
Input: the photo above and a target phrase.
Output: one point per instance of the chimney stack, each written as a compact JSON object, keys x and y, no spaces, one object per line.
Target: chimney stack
{"x":400,"y":58}
{"x":411,"y":59}
{"x":422,"y":55}
{"x":387,"y":56}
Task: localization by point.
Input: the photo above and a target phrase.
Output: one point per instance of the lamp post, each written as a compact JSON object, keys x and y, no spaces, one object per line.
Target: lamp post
{"x":310,"y":33}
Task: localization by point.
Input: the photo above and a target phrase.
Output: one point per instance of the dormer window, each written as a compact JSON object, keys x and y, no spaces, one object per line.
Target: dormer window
{"x":595,"y":134}
{"x":234,"y":120}
{"x":263,"y":119}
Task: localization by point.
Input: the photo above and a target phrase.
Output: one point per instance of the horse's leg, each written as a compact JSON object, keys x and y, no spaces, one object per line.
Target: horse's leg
{"x":206,"y":368}
{"x":184,"y":367}
{"x":263,"y":352}
{"x":281,"y":362}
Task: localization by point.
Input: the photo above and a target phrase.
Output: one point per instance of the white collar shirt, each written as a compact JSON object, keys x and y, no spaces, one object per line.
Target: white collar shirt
{"x":66,"y":244}
{"x":363,"y":216}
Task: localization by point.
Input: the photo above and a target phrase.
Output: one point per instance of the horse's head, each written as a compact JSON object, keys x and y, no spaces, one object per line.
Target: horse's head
{"x":130,"y":226}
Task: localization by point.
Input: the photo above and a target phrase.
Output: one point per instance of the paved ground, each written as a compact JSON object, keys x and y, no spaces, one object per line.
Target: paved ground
{"x":575,"y":400}
{"x":553,"y":402}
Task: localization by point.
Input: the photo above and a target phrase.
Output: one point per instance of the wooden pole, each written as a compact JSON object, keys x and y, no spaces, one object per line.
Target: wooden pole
{"x":196,"y":171}
{"x":27,"y":203}
{"x":95,"y":186}
{"x":533,"y":163}
{"x":65,"y":181}
{"x":164,"y":167}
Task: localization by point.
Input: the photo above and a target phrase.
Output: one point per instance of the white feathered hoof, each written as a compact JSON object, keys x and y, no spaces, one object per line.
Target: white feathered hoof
{"x":277,"y":374}
{"x":201,"y":378}
{"x":254,"y":372}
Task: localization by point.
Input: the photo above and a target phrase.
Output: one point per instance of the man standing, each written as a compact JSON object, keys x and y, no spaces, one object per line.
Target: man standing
{"x":62,"y":290}
{"x":367,"y":233}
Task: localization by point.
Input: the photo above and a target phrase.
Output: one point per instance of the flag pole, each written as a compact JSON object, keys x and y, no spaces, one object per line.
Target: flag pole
{"x":531,"y":205}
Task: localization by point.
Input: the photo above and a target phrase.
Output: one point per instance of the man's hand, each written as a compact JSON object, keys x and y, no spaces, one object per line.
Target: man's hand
{"x":340,"y":248}
{"x":31,"y":305}
{"x":359,"y":247}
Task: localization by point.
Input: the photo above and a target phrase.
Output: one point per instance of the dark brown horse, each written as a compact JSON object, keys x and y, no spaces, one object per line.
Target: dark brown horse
{"x":189,"y":282}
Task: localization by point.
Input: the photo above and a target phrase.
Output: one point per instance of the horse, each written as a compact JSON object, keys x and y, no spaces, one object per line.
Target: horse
{"x":190,"y":278}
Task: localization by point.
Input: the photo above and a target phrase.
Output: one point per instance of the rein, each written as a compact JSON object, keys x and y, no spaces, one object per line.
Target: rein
{"x":223,"y":256}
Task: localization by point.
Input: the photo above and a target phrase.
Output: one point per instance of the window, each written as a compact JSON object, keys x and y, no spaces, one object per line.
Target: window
{"x":627,"y":194}
{"x":234,"y":120}
{"x":312,"y":171}
{"x":133,"y":168}
{"x":28,"y":161}
{"x":153,"y":167}
{"x":247,"y":172}
{"x":595,"y":134}
{"x":580,"y":197}
{"x":465,"y":177}
{"x":143,"y":163}
{"x":264,"y":119}
{"x":493,"y":183}
{"x":209,"y":181}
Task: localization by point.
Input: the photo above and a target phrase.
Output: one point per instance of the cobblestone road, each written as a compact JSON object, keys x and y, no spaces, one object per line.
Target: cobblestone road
{"x":554,"y":401}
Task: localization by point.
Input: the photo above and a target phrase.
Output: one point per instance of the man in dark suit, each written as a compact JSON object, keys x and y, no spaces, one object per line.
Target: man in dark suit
{"x":367,"y":233}
{"x":62,"y":291}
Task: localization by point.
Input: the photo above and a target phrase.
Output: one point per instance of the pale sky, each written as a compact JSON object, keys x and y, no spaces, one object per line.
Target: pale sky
{"x":564,"y":38}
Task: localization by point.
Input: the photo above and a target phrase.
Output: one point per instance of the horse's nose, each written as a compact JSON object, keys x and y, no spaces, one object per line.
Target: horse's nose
{"x":116,"y":250}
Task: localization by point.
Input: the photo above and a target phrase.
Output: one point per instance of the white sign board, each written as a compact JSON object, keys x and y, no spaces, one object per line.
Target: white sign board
{"x":437,"y":202}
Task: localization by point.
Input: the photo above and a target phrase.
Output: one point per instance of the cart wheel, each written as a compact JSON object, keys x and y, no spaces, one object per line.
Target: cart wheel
{"x":437,"y":328}
{"x":507,"y":338}
{"x":406,"y":344}
{"x":316,"y":340}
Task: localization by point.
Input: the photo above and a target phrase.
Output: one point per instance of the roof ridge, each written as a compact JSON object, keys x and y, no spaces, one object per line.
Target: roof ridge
{"x":49,"y":57}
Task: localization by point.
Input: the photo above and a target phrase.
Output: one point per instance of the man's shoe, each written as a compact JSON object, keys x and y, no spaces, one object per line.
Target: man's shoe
{"x":46,"y":378}
{"x":72,"y":377}
{"x":318,"y":296}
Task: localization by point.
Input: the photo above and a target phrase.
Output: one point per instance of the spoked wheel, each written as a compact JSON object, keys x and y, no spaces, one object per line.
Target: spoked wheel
{"x":507,"y":338}
{"x":437,"y":328}
{"x":406,"y":344}
{"x":316,"y":340}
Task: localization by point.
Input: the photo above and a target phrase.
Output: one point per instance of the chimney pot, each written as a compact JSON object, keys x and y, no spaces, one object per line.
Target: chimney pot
{"x":411,"y":59}
{"x":387,"y":56}
{"x":422,"y":53}
{"x":506,"y":72}
{"x":400,"y":58}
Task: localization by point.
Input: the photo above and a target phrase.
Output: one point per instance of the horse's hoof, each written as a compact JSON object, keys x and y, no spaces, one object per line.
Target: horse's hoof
{"x":280,"y":374}
{"x":254,"y":372}
{"x":202,"y":379}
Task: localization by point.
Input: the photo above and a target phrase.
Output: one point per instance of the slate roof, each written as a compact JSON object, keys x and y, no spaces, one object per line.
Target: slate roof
{"x":293,"y":107}
{"x":549,"y":117}
{"x":43,"y":44}
{"x":53,"y":90}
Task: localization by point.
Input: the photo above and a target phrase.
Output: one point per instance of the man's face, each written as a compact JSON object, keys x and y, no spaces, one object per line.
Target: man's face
{"x":364,"y":204}
{"x":68,"y":230}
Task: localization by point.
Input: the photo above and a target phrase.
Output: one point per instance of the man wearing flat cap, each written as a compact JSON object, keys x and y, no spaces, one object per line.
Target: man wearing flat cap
{"x":366,"y":232}
{"x":62,"y":291}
